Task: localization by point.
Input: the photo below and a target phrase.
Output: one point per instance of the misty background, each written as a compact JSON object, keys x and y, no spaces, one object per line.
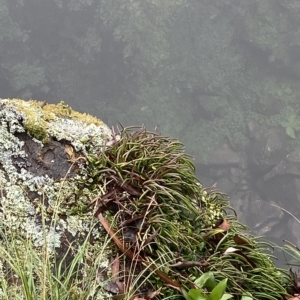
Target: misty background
{"x":220,"y":75}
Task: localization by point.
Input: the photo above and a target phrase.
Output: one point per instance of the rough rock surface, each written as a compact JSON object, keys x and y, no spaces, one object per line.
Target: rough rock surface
{"x":42,"y":157}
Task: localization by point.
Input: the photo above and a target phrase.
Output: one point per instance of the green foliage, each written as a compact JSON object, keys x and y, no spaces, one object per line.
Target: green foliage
{"x":10,"y":27}
{"x":215,"y":291}
{"x":142,"y":60}
{"x":262,"y":25}
{"x":158,"y":174}
{"x":28,"y":273}
{"x":205,"y":136}
{"x":147,"y":177}
{"x":26,"y":75}
{"x":291,"y":122}
{"x":156,"y":184}
{"x":249,"y":269}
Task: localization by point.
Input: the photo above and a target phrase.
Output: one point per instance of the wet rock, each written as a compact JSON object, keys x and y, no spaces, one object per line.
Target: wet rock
{"x":283,"y":190}
{"x":41,"y":160}
{"x":267,"y":150}
{"x":223,"y":156}
{"x":243,"y":161}
{"x":236,"y":175}
{"x":288,"y":166}
{"x":265,"y":217}
{"x":243,"y":186}
{"x":253,"y":129}
{"x":225,"y":185}
{"x":260,"y":215}
{"x":269,"y":105}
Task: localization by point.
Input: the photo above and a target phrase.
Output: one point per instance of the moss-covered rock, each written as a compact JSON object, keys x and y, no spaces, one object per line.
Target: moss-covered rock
{"x":43,"y":149}
{"x":159,"y":228}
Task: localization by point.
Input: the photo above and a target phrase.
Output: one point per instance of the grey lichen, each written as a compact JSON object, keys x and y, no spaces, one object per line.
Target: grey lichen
{"x":33,"y":203}
{"x":60,"y":122}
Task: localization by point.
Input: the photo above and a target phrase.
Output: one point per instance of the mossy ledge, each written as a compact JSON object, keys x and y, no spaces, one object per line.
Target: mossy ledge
{"x":40,"y":116}
{"x":60,"y":169}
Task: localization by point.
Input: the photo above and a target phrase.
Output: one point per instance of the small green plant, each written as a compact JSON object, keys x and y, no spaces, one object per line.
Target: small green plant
{"x":30,"y":274}
{"x":209,"y":289}
{"x":291,"y":122}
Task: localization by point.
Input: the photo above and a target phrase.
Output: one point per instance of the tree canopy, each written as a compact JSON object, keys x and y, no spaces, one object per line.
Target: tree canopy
{"x":181,"y":65}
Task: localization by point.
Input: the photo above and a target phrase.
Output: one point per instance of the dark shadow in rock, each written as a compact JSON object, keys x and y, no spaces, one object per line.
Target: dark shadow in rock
{"x":50,"y":159}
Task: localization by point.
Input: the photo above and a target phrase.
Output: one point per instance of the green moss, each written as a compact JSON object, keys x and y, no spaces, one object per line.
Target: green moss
{"x":63,"y":110}
{"x":34,"y":124}
{"x":38,"y":115}
{"x":37,"y":129}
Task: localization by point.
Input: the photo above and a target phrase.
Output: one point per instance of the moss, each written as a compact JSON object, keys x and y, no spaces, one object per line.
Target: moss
{"x":34,"y":123}
{"x":37,"y":116}
{"x":63,"y":110}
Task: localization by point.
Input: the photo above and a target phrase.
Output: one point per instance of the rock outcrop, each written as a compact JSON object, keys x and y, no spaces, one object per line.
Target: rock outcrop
{"x":43,"y":150}
{"x":157,"y":226}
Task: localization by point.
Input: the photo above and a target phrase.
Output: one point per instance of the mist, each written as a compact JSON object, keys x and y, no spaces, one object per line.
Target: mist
{"x":221,"y":76}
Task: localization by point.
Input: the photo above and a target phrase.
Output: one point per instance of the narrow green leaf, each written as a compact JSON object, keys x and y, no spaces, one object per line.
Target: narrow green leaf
{"x":197,"y":294}
{"x":219,"y":290}
{"x":206,"y":280}
{"x":226,"y":296}
{"x":185,"y":294}
{"x":246,"y":298}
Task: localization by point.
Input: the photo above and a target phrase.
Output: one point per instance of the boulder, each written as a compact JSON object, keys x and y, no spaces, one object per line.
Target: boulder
{"x":43,"y":149}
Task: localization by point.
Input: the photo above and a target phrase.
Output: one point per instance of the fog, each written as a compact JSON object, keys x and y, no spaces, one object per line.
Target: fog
{"x":222,"y":76}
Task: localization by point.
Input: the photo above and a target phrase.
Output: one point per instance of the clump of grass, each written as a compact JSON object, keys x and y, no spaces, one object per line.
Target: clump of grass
{"x":292,"y":255}
{"x":85,"y":271}
{"x":153,"y":194}
{"x":248,"y":268}
{"x":168,"y":223}
{"x":29,"y":273}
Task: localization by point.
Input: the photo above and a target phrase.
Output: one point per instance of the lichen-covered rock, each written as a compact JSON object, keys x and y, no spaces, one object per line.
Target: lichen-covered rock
{"x":43,"y":148}
{"x":56,"y":165}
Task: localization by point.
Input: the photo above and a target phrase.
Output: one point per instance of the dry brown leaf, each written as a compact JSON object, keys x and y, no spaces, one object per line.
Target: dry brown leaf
{"x":154,"y":294}
{"x":133,"y":256}
{"x":296,"y":297}
{"x":241,"y":240}
{"x":115,"y":268}
{"x":70,"y":151}
{"x":117,"y":241}
{"x":225,"y":225}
